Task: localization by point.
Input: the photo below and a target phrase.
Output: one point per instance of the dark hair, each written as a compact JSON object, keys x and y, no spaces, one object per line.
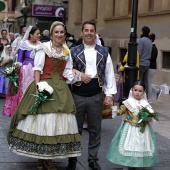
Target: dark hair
{"x":33,"y":29}
{"x":89,"y":22}
{"x":4,"y":30}
{"x":145,"y":31}
{"x":140,"y":83}
{"x":152,"y":37}
{"x":1,"y":47}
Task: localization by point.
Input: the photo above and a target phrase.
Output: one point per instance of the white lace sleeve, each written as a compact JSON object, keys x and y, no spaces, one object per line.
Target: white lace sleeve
{"x":39,"y":61}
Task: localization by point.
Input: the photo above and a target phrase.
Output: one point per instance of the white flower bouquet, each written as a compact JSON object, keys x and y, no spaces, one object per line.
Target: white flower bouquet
{"x":44,"y":93}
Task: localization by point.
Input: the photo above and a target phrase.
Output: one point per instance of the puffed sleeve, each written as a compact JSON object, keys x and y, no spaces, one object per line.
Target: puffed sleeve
{"x":110,"y":83}
{"x":68,"y":72}
{"x":20,"y":56}
{"x":121,"y":110}
{"x":39,"y":61}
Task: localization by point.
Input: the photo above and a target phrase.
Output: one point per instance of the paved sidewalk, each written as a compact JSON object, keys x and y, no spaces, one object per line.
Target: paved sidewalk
{"x":11,"y":161}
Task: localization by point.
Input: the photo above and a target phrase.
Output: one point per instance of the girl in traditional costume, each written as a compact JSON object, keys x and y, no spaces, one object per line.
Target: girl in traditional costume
{"x":52,"y":132}
{"x":6,"y":61}
{"x":26,"y":54}
{"x":134,"y":145}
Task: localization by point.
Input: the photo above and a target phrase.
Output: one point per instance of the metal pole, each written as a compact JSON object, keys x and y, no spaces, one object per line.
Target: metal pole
{"x":25,"y":20}
{"x":131,"y":70}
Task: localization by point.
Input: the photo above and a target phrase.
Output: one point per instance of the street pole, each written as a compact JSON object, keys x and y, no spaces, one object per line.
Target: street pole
{"x":131,"y":70}
{"x":25,"y":19}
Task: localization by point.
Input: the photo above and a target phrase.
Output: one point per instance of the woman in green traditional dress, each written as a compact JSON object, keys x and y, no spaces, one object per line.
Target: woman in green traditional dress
{"x":52,"y":132}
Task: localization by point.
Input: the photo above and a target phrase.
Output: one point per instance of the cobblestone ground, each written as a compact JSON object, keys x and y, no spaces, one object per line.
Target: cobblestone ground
{"x":11,"y":161}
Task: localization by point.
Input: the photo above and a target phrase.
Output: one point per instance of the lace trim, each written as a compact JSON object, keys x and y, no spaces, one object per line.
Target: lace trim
{"x":52,"y":53}
{"x":129,"y":106}
{"x":133,"y":153}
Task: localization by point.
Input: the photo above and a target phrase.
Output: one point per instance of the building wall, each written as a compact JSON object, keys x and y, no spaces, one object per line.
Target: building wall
{"x":113,"y":20}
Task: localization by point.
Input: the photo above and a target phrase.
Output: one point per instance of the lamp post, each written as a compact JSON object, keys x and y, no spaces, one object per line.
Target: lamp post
{"x":131,"y":70}
{"x":65,"y":4}
{"x":25,"y":10}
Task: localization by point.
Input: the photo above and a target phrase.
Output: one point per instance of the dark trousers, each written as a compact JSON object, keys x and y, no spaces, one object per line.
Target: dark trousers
{"x":143,"y":76}
{"x":92,"y":107}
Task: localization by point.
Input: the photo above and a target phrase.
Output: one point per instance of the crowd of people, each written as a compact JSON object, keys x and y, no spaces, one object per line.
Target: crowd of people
{"x":56,"y":82}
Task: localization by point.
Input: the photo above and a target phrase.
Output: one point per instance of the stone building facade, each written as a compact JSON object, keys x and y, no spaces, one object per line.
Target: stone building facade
{"x":113,"y":20}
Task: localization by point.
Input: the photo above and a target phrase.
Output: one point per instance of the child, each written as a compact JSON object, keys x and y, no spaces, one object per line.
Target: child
{"x":130,"y":147}
{"x":6,"y":61}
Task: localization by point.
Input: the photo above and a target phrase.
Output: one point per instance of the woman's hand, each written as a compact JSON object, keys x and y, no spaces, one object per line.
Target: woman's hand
{"x":108,"y":101}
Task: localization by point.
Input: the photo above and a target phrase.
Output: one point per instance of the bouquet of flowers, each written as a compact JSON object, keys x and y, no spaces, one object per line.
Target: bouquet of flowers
{"x":44,"y":93}
{"x":13,"y":73}
{"x":144,"y":114}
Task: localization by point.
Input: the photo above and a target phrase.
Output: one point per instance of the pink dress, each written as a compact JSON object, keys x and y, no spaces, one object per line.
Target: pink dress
{"x":26,"y":77}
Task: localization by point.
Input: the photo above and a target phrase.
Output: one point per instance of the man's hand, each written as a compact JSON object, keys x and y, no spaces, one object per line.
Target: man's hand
{"x":108,"y":101}
{"x":85,"y":78}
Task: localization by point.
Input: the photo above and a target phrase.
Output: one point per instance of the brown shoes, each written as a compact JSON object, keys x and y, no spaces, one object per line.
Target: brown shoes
{"x":49,"y":164}
{"x":40,"y":164}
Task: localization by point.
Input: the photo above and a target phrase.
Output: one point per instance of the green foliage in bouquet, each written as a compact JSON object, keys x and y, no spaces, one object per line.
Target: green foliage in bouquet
{"x":144,"y":115}
{"x":44,"y":93}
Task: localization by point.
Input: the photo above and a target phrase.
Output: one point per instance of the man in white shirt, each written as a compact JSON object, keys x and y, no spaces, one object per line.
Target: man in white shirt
{"x":95,"y":65}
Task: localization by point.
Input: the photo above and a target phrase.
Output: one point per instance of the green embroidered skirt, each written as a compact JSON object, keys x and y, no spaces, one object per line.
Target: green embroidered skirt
{"x":132,"y":148}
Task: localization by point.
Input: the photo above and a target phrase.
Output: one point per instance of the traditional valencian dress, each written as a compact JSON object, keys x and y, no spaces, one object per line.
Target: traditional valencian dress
{"x":130,"y":147}
{"x":26,"y":54}
{"x":4,"y":81}
{"x":52,"y":132}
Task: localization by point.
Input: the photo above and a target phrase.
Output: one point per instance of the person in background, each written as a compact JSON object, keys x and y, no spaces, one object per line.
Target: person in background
{"x":16,"y":35}
{"x":45,"y":36}
{"x":152,"y":70}
{"x":17,"y":41}
{"x":79,"y":41}
{"x":124,"y":63}
{"x":144,"y":48}
{"x":4,"y":40}
{"x":26,"y":54}
{"x":52,"y":132}
{"x":70,"y":40}
{"x":95,"y":67}
{"x":101,"y":39}
{"x":11,"y":37}
{"x":6,"y":61}
{"x":130,"y":146}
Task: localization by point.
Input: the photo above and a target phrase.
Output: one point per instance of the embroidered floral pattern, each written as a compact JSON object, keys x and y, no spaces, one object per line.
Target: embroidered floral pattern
{"x":45,"y":149}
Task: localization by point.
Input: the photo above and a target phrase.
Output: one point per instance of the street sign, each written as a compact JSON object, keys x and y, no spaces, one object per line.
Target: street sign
{"x":2,"y":6}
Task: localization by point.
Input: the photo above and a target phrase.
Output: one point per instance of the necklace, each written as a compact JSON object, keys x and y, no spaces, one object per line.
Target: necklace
{"x":58,"y":49}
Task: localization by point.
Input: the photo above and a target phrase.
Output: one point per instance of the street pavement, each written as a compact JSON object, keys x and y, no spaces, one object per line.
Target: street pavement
{"x":11,"y":161}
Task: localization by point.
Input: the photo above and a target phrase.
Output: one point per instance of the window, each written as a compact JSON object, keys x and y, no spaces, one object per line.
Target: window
{"x":114,"y":7}
{"x":151,"y":5}
{"x":130,"y":7}
{"x":166,"y":60}
{"x":96,"y":8}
